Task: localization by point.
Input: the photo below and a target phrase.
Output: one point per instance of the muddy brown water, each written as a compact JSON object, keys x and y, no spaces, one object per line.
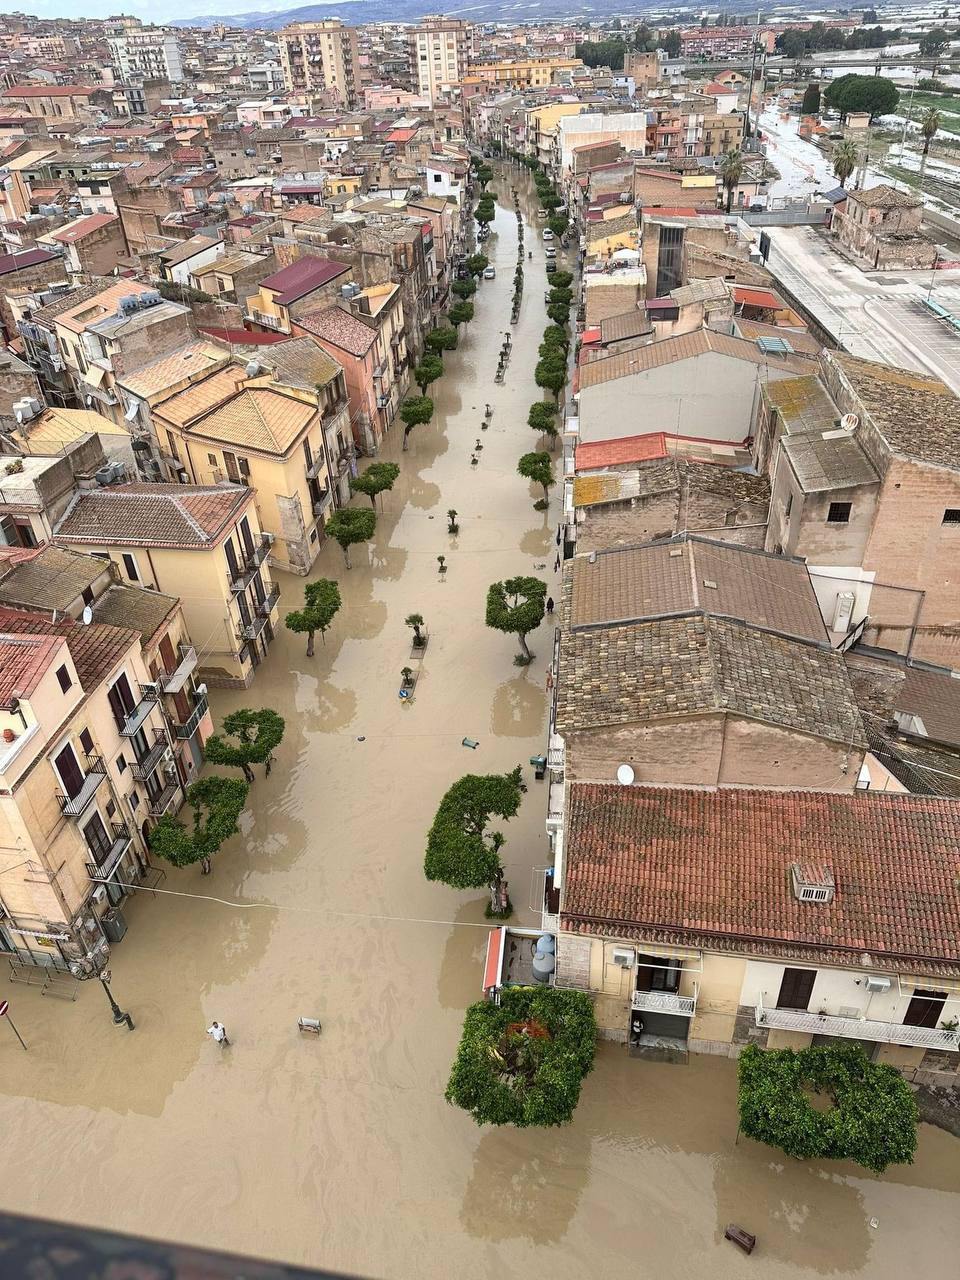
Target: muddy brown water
{"x":342,"y":1151}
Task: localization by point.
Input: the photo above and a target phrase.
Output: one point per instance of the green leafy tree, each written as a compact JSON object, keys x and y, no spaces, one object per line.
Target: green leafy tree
{"x":378,"y":478}
{"x":477,"y":263}
{"x":561,"y":297}
{"x":558,"y":314}
{"x":844,"y":161}
{"x":810,"y":106}
{"x":246,"y":738}
{"x":442,"y":338}
{"x":484,"y":175}
{"x":669,"y":42}
{"x":934,"y":42}
{"x":558,"y":223}
{"x":484,"y":214}
{"x":428,"y":370}
{"x":516,"y":607}
{"x":603,"y":53}
{"x":416,"y":411}
{"x":550,"y":200}
{"x":415,"y":620}
{"x":523,"y":1059}
{"x":452,"y":526}
{"x":538,"y":468}
{"x":874,"y":94}
{"x":550,"y":371}
{"x":460,"y":313}
{"x":929,"y":124}
{"x":872,"y":1120}
{"x":217,"y":804}
{"x":731,"y":171}
{"x":351,"y":525}
{"x":461,"y":851}
{"x":321,"y":602}
{"x":555,"y":335}
{"x":464,"y":289}
{"x":542,"y":418}
{"x":561,"y":279}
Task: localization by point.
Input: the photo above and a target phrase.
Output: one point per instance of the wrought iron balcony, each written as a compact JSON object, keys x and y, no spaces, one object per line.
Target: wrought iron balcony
{"x":315,"y":467}
{"x":250,"y":630}
{"x":270,"y":603}
{"x":256,"y":557}
{"x":174,"y":681}
{"x":666,"y":1002}
{"x":240,"y":580}
{"x":96,"y":771}
{"x":158,"y":805}
{"x":190,"y":726}
{"x":857,"y":1028}
{"x":144,"y":765}
{"x":325,"y":500}
{"x":100,"y":868}
{"x":137,"y":718}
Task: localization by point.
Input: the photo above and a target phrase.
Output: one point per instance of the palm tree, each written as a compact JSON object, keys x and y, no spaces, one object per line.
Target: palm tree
{"x":929,"y":124}
{"x":731,"y":171}
{"x":844,"y":161}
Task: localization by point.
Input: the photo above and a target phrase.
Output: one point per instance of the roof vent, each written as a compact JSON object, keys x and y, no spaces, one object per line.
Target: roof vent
{"x":708,"y":582}
{"x":812,"y":882}
{"x":676,"y":551}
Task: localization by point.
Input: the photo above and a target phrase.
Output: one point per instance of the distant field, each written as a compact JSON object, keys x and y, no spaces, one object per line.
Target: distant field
{"x":948,"y":107}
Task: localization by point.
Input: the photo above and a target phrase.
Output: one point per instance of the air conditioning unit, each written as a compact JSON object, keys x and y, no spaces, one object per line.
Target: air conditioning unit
{"x":878,"y":984}
{"x":100,"y":894}
{"x":624,"y":957}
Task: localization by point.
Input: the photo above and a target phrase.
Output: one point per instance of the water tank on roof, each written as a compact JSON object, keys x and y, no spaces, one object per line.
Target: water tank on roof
{"x":252,"y":369}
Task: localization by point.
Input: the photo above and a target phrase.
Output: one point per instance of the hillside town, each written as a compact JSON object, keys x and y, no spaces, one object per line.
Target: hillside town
{"x":480,"y":641}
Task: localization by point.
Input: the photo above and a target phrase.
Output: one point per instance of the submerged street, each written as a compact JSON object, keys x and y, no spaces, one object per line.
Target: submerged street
{"x":340,"y":1151}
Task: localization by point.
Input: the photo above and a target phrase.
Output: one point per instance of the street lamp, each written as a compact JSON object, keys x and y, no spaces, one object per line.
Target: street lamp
{"x":119,"y":1017}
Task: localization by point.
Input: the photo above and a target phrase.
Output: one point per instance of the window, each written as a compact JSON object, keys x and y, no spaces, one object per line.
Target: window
{"x":789,"y":507}
{"x":86,"y":741}
{"x":951,"y":515}
{"x":121,"y":762}
{"x":63,"y":678}
{"x":86,"y":595}
{"x":130,"y":565}
{"x":796,"y":988}
{"x":172,"y":446}
{"x":839,"y":513}
{"x":437,"y":177}
{"x":212,"y":459}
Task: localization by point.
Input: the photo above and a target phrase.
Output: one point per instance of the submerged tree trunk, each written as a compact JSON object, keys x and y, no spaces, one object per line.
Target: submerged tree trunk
{"x":346,"y":555}
{"x":309,"y":644}
{"x":406,"y":437}
{"x":523,"y":646}
{"x":247,"y":771}
{"x":204,"y":866}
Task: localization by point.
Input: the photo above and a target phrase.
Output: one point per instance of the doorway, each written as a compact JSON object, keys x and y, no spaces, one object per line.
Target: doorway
{"x":925,"y":1008}
{"x":796,"y":988}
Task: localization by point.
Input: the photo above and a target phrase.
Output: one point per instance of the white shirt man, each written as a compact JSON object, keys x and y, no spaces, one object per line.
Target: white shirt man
{"x":219,"y":1033}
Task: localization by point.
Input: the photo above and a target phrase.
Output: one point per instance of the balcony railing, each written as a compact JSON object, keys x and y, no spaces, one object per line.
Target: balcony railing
{"x":158,"y":805}
{"x":174,"y":681}
{"x":666,"y":1002}
{"x":240,"y":580}
{"x":100,"y":869}
{"x":137,"y":718}
{"x":326,"y":498}
{"x":267,"y":606}
{"x":144,"y":765}
{"x":315,"y":467}
{"x":857,"y":1028}
{"x":250,"y":630}
{"x":190,"y":726}
{"x":256,"y":557}
{"x":95,"y":773}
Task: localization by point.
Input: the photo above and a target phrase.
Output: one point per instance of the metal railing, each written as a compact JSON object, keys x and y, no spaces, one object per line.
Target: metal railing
{"x":825,"y":1024}
{"x":666,"y":1002}
{"x":173,"y":681}
{"x":143,"y":766}
{"x":99,"y":870}
{"x":136,"y":718}
{"x":158,"y":805}
{"x":267,"y":606}
{"x":73,"y":806}
{"x":189,"y":727}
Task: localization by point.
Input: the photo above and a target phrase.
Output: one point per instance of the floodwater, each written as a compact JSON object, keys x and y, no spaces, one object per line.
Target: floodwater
{"x":341,"y":1151}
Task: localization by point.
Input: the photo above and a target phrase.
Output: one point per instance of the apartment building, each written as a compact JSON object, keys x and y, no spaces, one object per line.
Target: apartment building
{"x":36,"y":490}
{"x":152,"y":54}
{"x":85,"y":771}
{"x":439,"y":49}
{"x":704,"y":921}
{"x":519,"y":73}
{"x":293,"y":291}
{"x":321,"y":56}
{"x":864,"y":462}
{"x":203,"y":544}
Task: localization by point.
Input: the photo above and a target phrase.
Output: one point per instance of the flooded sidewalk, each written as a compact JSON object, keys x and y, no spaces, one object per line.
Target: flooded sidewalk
{"x":340,"y":1150}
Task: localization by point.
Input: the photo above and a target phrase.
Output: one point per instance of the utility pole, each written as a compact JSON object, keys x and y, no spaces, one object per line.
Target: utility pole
{"x":753,"y":67}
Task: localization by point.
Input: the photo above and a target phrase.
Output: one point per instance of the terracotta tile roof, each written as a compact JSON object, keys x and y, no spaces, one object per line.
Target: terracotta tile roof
{"x":694,"y":575}
{"x":96,"y":650}
{"x":48,"y":91}
{"x":185,"y":406}
{"x":885,"y":197}
{"x":648,"y":671}
{"x":172,"y":368}
{"x":302,"y":277}
{"x":609,"y":453}
{"x":23,"y":662}
{"x":96,"y":305}
{"x":300,"y":362}
{"x":260,"y":418}
{"x":802,"y":341}
{"x":630,"y":324}
{"x":52,"y":578}
{"x":135,"y":607}
{"x":655,"y":355}
{"x":712,"y":869}
{"x":337,"y":326}
{"x":148,"y":515}
{"x":758,"y":297}
{"x":933,"y":698}
{"x":81,"y":227}
{"x":28,"y":258}
{"x":917,"y":415}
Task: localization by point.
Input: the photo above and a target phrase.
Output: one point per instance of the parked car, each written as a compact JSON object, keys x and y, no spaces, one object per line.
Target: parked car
{"x":541,"y":213}
{"x":490,"y":273}
{"x":547,"y":234}
{"x":551,"y":252}
{"x":551,"y":265}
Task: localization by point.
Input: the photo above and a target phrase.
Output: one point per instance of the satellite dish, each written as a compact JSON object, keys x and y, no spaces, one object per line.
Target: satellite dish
{"x":87,"y":615}
{"x":625,"y":775}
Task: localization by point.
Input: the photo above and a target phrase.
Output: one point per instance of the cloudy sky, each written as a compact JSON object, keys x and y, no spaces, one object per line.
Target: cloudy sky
{"x":166,"y":10}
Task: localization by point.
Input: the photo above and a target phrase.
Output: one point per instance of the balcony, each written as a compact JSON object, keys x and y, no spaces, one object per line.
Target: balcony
{"x":174,"y":681}
{"x":267,"y":321}
{"x":321,"y":506}
{"x":256,"y":557}
{"x":189,"y":728}
{"x":158,"y":805}
{"x":381,"y":370}
{"x":250,"y":630}
{"x":243,"y":577}
{"x":666,"y":1002}
{"x":136,"y":718}
{"x":857,"y":1028}
{"x":144,"y":765}
{"x":270,"y":603}
{"x":315,"y":467}
{"x":99,"y":870}
{"x":95,"y":774}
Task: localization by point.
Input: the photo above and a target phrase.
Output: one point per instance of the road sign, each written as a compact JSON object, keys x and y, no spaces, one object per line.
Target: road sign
{"x":4,"y":1006}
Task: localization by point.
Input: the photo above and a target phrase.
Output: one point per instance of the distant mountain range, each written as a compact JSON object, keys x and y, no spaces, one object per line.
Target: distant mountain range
{"x":356,"y":12}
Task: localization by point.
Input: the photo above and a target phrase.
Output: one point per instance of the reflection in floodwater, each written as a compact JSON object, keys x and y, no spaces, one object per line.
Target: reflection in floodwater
{"x":341,"y":1151}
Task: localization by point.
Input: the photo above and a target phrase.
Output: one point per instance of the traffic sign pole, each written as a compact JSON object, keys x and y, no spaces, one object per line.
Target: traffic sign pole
{"x":4,"y":1013}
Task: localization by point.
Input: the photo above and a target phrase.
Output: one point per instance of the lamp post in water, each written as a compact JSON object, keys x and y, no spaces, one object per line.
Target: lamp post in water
{"x":119,"y":1017}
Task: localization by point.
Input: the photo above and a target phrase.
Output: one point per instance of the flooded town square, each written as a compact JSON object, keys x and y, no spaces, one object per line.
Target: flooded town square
{"x":340,"y":1151}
